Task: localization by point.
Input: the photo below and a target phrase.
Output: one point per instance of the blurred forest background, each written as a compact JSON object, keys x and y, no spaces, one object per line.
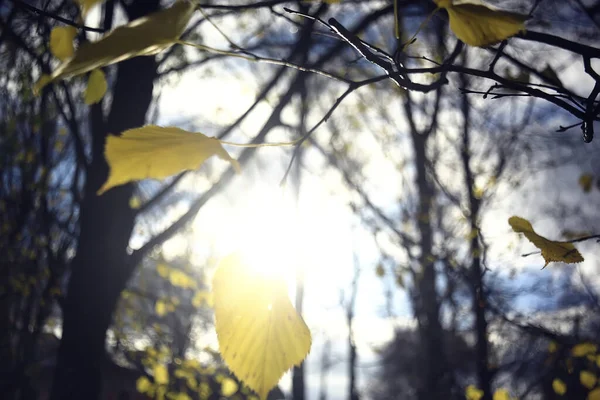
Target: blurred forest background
{"x":392,"y":223}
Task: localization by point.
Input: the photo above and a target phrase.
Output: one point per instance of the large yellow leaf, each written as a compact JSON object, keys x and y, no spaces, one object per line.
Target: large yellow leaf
{"x":96,"y":87}
{"x":478,"y":24}
{"x":144,"y":36}
{"x":260,"y":334}
{"x":551,"y":250}
{"x":156,"y":152}
{"x":61,"y":42}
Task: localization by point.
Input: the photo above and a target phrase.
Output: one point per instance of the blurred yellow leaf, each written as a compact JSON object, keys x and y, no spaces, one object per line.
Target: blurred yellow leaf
{"x":588,"y":379}
{"x":143,"y":384}
{"x":162,"y":270}
{"x":478,"y":24}
{"x":559,"y":387}
{"x":228,"y":387}
{"x":260,"y":334}
{"x":144,"y":36}
{"x":96,"y":87}
{"x":552,"y":347}
{"x":156,"y":152}
{"x":585,"y":181}
{"x":134,"y":204}
{"x":161,"y":374}
{"x":501,"y":394}
{"x":178,"y":396}
{"x":584,"y":349}
{"x":594,"y":394}
{"x":161,"y":308}
{"x":61,"y":42}
{"x":551,"y":250}
{"x":202,"y":297}
{"x":181,"y":279}
{"x":379,"y":270}
{"x":472,"y":393}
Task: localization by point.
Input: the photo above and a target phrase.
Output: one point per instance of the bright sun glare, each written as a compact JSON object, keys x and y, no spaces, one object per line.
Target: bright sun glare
{"x":264,"y":227}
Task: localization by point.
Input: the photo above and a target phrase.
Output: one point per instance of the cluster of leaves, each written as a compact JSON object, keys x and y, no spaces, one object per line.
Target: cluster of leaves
{"x":580,"y":366}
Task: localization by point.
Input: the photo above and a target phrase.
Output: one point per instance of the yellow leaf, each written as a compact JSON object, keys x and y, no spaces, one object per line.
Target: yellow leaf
{"x":478,"y":24}
{"x":379,"y":270}
{"x":156,"y":152}
{"x":181,"y":279}
{"x":588,"y":379}
{"x":202,"y":297}
{"x":472,"y":393}
{"x":134,"y":204}
{"x":552,"y":347}
{"x":162,"y":270}
{"x":204,"y":390}
{"x":87,"y":5}
{"x":178,"y":396}
{"x":583,"y":349}
{"x":585,"y":181}
{"x":551,"y":250}
{"x":143,"y":384}
{"x":228,"y":387}
{"x":61,"y":42}
{"x":501,"y":394}
{"x":260,"y":334}
{"x":594,"y":394}
{"x":161,"y":374}
{"x":96,"y":87}
{"x":559,"y":387}
{"x":161,"y":308}
{"x":148,"y":35}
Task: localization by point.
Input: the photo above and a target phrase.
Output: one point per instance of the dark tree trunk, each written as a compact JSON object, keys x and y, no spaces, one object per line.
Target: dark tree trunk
{"x":100,"y":269}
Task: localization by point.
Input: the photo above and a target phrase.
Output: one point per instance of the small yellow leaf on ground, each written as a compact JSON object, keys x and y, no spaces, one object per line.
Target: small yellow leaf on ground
{"x":594,"y":394}
{"x":157,"y":152}
{"x":559,"y":387}
{"x":96,"y":87}
{"x":585,"y":181}
{"x":161,"y":374}
{"x":501,"y":394}
{"x":472,"y":393}
{"x":228,"y":387}
{"x":260,"y":334}
{"x":584,"y":349}
{"x":551,"y":250}
{"x":148,"y":35}
{"x":588,"y":379}
{"x":478,"y":24}
{"x":61,"y":42}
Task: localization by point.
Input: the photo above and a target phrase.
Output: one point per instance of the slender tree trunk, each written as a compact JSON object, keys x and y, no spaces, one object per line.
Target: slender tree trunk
{"x":476,"y":270}
{"x":100,"y":269}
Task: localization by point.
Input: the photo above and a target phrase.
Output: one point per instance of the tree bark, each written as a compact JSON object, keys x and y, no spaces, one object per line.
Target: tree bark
{"x":100,"y":269}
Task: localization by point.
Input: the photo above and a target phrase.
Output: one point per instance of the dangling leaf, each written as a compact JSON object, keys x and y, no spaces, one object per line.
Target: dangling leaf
{"x":260,"y":334}
{"x":144,"y":36}
{"x":96,"y":87}
{"x":480,"y":25}
{"x":156,"y":152}
{"x":551,"y":250}
{"x":61,"y":42}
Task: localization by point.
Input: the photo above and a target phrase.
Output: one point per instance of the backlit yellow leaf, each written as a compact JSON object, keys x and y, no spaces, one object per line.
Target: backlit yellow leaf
{"x":181,"y":279}
{"x":594,"y":394}
{"x":478,"y":24}
{"x":156,"y":152}
{"x":501,"y":394}
{"x":584,"y":349}
{"x":61,"y":42}
{"x":551,"y":250}
{"x":135,"y":203}
{"x":144,"y":36}
{"x":559,"y":387}
{"x":162,"y":270}
{"x":228,"y":387}
{"x":161,"y":374}
{"x":472,"y":393}
{"x":260,"y":334}
{"x":588,"y":379}
{"x":143,"y":384}
{"x":96,"y":87}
